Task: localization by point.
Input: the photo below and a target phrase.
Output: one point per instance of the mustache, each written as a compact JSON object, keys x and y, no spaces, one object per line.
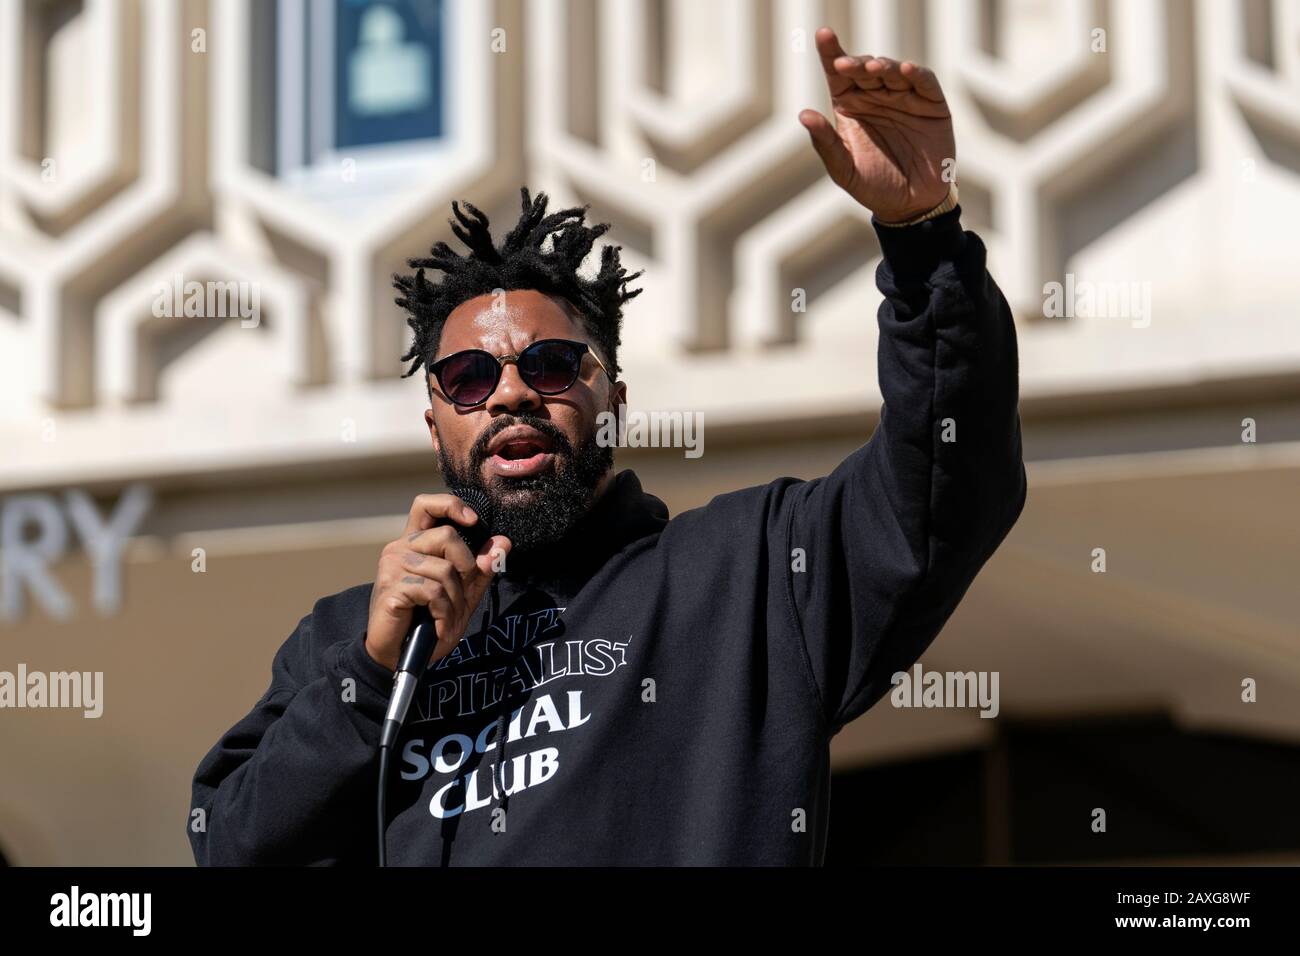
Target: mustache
{"x":479,"y":453}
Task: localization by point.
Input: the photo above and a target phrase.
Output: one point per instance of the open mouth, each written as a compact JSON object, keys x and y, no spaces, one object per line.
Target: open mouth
{"x":523,"y":455}
{"x":521,"y":449}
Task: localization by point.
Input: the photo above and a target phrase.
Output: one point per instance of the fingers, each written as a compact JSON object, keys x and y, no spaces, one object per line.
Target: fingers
{"x":428,"y":510}
{"x":834,"y":156}
{"x":889,"y":71}
{"x":401,"y":595}
{"x":854,"y":70}
{"x":885,"y":73}
{"x":436,"y":571}
{"x":415,"y":564}
{"x":922,"y":79}
{"x":872,"y":73}
{"x":498,"y":544}
{"x":845,"y":73}
{"x":447,"y":607}
{"x":429,"y":566}
{"x":441,"y":546}
{"x":402,"y":569}
{"x":436,"y":584}
{"x":829,"y":49}
{"x":442,"y":542}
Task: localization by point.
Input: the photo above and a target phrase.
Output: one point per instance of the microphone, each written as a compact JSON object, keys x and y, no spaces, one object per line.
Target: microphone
{"x":417,"y":648}
{"x":420,"y":641}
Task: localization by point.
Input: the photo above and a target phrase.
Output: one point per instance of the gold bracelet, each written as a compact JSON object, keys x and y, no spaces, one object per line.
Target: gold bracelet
{"x":948,"y":205}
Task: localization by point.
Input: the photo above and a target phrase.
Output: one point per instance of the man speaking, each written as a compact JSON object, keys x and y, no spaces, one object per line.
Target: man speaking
{"x":610,"y":686}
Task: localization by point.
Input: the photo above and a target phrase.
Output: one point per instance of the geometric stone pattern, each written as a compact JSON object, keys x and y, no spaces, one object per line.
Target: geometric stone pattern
{"x":129,"y":142}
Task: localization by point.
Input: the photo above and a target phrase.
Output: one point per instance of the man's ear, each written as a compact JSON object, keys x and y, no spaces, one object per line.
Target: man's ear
{"x":617,"y":396}
{"x":433,"y":430}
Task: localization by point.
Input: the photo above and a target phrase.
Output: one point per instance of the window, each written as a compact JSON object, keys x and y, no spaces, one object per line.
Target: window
{"x":360,"y":80}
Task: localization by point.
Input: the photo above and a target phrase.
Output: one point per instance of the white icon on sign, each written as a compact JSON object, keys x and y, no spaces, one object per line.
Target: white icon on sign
{"x":387,"y":75}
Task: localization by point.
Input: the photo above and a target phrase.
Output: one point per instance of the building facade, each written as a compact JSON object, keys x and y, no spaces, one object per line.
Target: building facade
{"x":204,"y":427}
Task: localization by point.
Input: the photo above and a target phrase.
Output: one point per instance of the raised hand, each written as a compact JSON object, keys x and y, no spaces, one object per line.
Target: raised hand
{"x":892,"y":134}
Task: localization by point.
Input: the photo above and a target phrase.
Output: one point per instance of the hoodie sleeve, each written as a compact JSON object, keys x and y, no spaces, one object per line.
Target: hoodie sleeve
{"x":294,"y":781}
{"x":895,"y":535}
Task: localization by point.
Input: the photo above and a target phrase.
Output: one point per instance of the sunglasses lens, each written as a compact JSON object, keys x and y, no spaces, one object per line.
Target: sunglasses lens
{"x":469,"y":377}
{"x":550,"y":367}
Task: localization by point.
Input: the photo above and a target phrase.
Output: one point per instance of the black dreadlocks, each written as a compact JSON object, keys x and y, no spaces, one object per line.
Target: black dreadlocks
{"x":519,"y":263}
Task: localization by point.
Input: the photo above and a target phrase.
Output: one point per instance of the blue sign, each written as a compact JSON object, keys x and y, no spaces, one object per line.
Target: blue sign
{"x":388,"y":76}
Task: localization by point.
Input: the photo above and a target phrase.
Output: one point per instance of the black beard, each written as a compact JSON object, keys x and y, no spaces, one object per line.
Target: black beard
{"x":534,"y":511}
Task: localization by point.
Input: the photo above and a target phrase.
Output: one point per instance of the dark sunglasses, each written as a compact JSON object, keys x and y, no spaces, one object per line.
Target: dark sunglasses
{"x":548,"y":367}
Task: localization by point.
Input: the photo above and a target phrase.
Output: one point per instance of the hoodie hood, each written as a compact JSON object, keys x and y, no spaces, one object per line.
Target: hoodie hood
{"x":623,"y":514}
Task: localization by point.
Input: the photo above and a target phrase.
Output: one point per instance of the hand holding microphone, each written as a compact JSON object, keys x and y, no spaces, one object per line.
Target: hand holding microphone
{"x":431,"y":566}
{"x":433,"y":576}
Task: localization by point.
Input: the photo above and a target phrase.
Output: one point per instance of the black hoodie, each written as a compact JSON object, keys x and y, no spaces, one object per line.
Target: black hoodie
{"x":670,"y":686}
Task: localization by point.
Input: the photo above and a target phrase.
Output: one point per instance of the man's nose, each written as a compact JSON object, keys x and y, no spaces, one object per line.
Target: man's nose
{"x":512,"y":393}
